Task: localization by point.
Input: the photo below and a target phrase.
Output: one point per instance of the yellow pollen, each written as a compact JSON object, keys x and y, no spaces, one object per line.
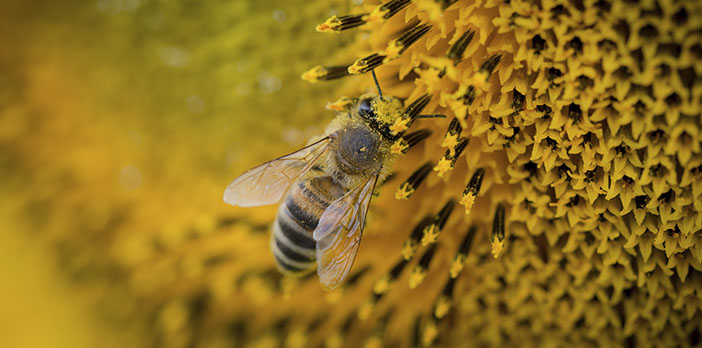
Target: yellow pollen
{"x":431,"y":234}
{"x":416,"y":277}
{"x":398,"y":147}
{"x":450,"y":141}
{"x":457,"y":265}
{"x":443,"y":166}
{"x":408,"y":249}
{"x":442,"y":307}
{"x":339,"y":105}
{"x":381,"y":286}
{"x":331,"y":25}
{"x":497,"y":246}
{"x":365,"y":310}
{"x":314,"y":74}
{"x":357,"y":66}
{"x":429,"y":333}
{"x":334,"y":296}
{"x":467,"y":201}
{"x":392,"y":51}
{"x":400,"y":125}
{"x":404,"y":192}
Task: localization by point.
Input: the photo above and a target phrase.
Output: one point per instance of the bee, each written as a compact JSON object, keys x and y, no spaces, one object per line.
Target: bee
{"x":326,"y":188}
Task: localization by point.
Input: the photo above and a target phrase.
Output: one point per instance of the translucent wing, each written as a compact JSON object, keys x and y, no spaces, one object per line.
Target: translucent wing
{"x":338,"y":234}
{"x":267,"y":183}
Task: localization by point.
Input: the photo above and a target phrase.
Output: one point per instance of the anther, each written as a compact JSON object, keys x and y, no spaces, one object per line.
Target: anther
{"x":431,"y":232}
{"x":402,"y":145}
{"x":445,"y":301}
{"x":366,"y":64}
{"x":472,"y":189}
{"x":462,"y":253}
{"x":497,"y":237}
{"x":456,"y":50}
{"x":408,"y":187}
{"x":411,"y":243}
{"x":386,"y":10}
{"x":448,"y":161}
{"x":337,"y":24}
{"x":398,"y":46}
{"x":451,"y":139}
{"x":419,"y":272}
{"x":325,"y":73}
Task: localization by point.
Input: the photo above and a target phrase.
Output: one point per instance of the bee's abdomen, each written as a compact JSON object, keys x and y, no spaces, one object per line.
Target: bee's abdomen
{"x":292,"y":242}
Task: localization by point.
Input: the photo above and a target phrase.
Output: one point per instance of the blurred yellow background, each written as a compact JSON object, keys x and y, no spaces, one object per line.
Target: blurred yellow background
{"x":121,"y":122}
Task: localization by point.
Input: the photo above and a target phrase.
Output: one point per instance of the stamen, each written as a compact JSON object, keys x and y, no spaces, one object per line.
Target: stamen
{"x":451,"y":139}
{"x":398,"y":46}
{"x":366,"y":64}
{"x":417,"y":137}
{"x":431,"y":232}
{"x":486,"y":69}
{"x":380,"y":288}
{"x":445,"y":301}
{"x":419,"y":272}
{"x":497,"y":237}
{"x":337,"y":24}
{"x":462,"y":253}
{"x":411,"y":243}
{"x":386,"y":10}
{"x":455,"y":52}
{"x":445,"y":3}
{"x":412,"y":111}
{"x":448,"y":161}
{"x":472,"y":189}
{"x":322,"y":73}
{"x":410,"y":185}
{"x":342,"y":104}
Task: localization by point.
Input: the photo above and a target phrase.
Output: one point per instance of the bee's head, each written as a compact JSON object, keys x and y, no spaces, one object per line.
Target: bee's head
{"x":380,"y":113}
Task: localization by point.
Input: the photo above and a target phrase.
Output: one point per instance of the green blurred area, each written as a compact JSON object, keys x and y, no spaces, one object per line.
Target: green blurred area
{"x":128,"y":118}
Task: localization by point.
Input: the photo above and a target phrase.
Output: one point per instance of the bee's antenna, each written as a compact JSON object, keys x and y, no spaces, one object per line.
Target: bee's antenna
{"x":380,"y":93}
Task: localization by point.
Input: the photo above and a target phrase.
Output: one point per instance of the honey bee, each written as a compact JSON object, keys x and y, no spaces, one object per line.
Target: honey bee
{"x":326,"y":188}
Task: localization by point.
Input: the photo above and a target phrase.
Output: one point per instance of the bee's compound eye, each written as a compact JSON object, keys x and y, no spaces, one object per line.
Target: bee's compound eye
{"x":365,"y":108}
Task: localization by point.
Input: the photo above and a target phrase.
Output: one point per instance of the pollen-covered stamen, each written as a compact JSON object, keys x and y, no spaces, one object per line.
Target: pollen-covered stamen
{"x":497,"y":237}
{"x":459,"y":260}
{"x":412,"y":242}
{"x":417,"y":137}
{"x":447,"y":162}
{"x":380,"y":288}
{"x":431,"y":232}
{"x":419,"y":272}
{"x":456,"y":50}
{"x":486,"y":69}
{"x":451,"y":139}
{"x":366,"y":64}
{"x":325,"y":73}
{"x":445,"y":300}
{"x":398,"y":46}
{"x":468,"y":96}
{"x":472,"y":189}
{"x":342,"y":104}
{"x":386,"y":10}
{"x":410,"y":185}
{"x":429,"y":332}
{"x":410,"y":115}
{"x":337,"y":24}
{"x":402,"y":145}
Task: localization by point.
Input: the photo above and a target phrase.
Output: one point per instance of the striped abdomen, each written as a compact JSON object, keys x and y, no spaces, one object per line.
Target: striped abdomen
{"x":291,"y":241}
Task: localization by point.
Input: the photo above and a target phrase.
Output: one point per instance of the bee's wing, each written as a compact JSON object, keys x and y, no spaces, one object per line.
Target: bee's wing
{"x":267,"y":183}
{"x":338,"y":234}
